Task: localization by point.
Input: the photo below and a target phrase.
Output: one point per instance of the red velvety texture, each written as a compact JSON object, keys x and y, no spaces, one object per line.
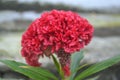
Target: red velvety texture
{"x":66,"y":70}
{"x":56,"y":29}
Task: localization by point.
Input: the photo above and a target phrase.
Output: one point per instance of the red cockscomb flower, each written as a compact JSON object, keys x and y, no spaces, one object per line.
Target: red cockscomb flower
{"x":60,"y":32}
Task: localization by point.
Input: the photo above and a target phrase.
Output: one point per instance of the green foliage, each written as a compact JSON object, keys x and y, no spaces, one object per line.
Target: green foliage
{"x":38,"y":73}
{"x":35,"y":73}
{"x":98,"y":67}
{"x":58,"y":66}
{"x":75,"y":60}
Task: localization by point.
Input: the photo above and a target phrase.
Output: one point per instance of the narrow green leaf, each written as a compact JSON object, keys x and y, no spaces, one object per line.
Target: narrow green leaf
{"x":82,"y":66}
{"x":75,"y":60}
{"x":56,"y":62}
{"x":16,"y":66}
{"x":58,"y":66}
{"x":98,"y":67}
{"x":40,"y":71}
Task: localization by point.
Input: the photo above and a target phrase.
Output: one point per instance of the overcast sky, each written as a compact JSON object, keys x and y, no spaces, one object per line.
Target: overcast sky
{"x":83,"y":3}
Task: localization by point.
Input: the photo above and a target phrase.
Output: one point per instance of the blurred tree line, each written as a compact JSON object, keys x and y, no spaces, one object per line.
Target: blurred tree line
{"x":38,"y":7}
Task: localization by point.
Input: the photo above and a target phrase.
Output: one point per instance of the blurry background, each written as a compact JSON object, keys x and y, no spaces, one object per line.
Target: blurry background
{"x":104,"y":15}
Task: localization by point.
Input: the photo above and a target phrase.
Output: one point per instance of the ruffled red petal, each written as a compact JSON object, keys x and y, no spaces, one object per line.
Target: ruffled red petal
{"x":58,"y":30}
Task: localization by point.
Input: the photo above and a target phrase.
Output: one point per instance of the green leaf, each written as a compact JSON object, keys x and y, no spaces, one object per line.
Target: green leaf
{"x":40,"y":71}
{"x":81,"y":67}
{"x":31,"y":72}
{"x":75,"y":60}
{"x":58,"y":66}
{"x":98,"y":67}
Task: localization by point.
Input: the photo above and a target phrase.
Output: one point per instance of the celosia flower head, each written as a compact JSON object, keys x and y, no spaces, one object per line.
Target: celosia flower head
{"x":60,"y":32}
